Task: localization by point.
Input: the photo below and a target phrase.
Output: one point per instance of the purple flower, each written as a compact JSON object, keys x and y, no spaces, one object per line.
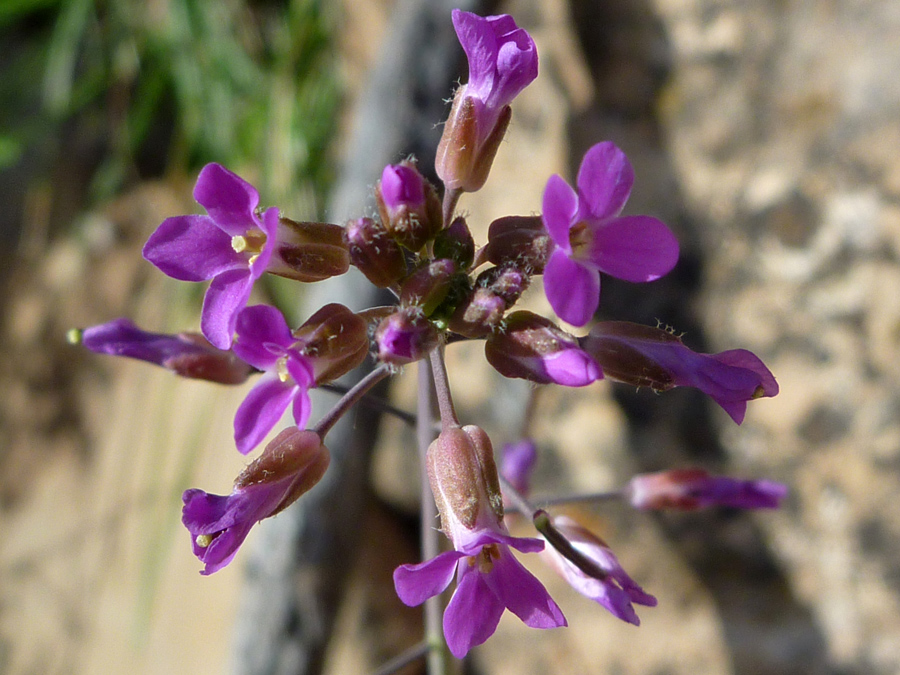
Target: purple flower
{"x":590,"y":236}
{"x":330,"y":343}
{"x":502,"y":62}
{"x":533,"y":348}
{"x":290,"y":465}
{"x":232,"y":246}
{"x":689,"y":489}
{"x":489,"y":579}
{"x":517,"y":464}
{"x":186,"y":354}
{"x":645,"y":356}
{"x":264,"y":340}
{"x":617,"y":591}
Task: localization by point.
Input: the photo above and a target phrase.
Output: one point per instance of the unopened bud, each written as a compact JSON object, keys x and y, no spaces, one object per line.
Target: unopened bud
{"x":374,"y":252}
{"x":456,"y":242}
{"x":463,"y":477}
{"x":309,"y":251}
{"x":466,"y":150}
{"x":427,"y":287}
{"x":519,"y":241}
{"x":533,"y":348}
{"x":405,"y":336}
{"x":294,"y":454}
{"x":186,"y":354}
{"x":409,"y":205}
{"x":335,"y":340}
{"x":479,"y":314}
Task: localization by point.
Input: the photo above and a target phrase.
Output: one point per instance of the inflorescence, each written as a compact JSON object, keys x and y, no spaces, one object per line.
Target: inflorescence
{"x":447,"y":289}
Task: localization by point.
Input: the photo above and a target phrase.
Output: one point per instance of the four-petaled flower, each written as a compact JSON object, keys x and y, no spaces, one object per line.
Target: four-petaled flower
{"x":591,"y":237}
{"x":489,"y":579}
{"x":232,"y":246}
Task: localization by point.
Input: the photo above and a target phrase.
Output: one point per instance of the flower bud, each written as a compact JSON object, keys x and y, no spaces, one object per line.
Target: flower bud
{"x":405,"y":336}
{"x":335,"y":340}
{"x":534,"y":348}
{"x":652,"y":357}
{"x":463,"y":477}
{"x":466,"y":150}
{"x":186,"y":354}
{"x":296,"y":454}
{"x":520,"y":241}
{"x":690,"y":489}
{"x":374,"y":252}
{"x":456,"y":242}
{"x":409,"y":206}
{"x":427,"y":287}
{"x":308,"y":251}
{"x":507,"y":282}
{"x":478,"y":315}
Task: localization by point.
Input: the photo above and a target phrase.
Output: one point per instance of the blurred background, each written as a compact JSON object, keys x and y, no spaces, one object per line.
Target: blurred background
{"x":766,"y":134}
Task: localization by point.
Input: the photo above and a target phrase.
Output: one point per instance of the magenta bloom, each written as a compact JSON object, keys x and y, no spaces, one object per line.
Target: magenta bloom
{"x":689,"y":489}
{"x":652,"y":357}
{"x":489,"y":579}
{"x":617,"y":591}
{"x":265,"y":341}
{"x":502,"y":62}
{"x":232,"y":246}
{"x":186,"y":354}
{"x":290,"y":465}
{"x":591,"y":237}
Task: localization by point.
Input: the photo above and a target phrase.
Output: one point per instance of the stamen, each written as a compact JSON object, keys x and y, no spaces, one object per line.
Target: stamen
{"x":203,"y":540}
{"x":238,"y":243}
{"x":281,"y":369}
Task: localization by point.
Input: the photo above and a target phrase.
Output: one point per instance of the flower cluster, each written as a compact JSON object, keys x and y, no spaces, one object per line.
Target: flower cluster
{"x":448,"y":289}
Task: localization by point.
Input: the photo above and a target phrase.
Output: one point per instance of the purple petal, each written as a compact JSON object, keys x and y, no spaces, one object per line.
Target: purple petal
{"x":416,"y":583}
{"x":261,"y":410}
{"x":191,"y":248}
{"x":226,"y":296}
{"x":270,"y":221}
{"x":742,"y":358}
{"x":572,"y":290}
{"x":560,"y":205}
{"x":302,"y":407}
{"x":522,"y":593}
{"x":228,"y":198}
{"x":517,"y":464}
{"x":472,"y":615}
{"x":741,"y":494}
{"x":262,"y":337}
{"x":571,"y":368}
{"x":633,"y":248}
{"x":121,"y":337}
{"x":604,"y":181}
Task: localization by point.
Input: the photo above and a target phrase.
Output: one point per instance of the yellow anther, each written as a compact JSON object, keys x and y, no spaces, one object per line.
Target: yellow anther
{"x":203,"y":540}
{"x":281,"y":369}
{"x":74,"y":335}
{"x":239,"y":243}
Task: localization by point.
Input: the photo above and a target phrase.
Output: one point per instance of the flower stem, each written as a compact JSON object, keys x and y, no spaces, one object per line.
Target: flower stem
{"x":607,"y":496}
{"x":451,"y":198}
{"x":350,"y":399}
{"x":543,"y":523}
{"x":442,"y":389}
{"x":436,"y":660}
{"x":410,"y":655}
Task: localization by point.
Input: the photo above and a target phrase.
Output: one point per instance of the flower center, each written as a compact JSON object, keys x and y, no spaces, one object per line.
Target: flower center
{"x":281,"y":369}
{"x":580,"y":239}
{"x":485,"y":558}
{"x":252,"y":242}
